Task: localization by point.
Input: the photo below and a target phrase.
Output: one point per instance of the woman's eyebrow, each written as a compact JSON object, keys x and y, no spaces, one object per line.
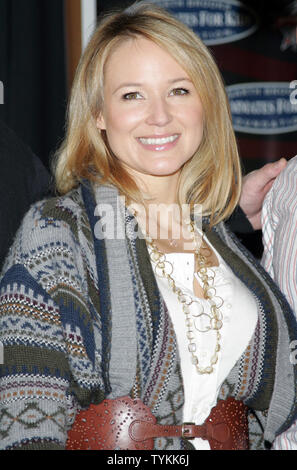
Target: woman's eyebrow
{"x":180,"y":79}
{"x":126,"y":85}
{"x":132,"y":84}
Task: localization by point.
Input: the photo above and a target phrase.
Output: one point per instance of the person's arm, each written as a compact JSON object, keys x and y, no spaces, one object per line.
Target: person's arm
{"x":35,"y":402}
{"x":287,"y":440}
{"x":279,"y":231}
{"x":23,"y":181}
{"x":46,"y":369}
{"x":254,"y":189}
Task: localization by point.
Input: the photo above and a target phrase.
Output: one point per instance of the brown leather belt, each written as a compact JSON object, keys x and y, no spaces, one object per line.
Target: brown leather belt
{"x":141,"y":430}
{"x":127,"y":424}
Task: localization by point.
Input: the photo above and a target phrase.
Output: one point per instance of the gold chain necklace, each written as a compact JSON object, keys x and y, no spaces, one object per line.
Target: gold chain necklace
{"x":163,"y":268}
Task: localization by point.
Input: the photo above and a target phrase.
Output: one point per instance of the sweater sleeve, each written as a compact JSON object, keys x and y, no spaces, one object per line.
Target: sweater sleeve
{"x":49,"y":368}
{"x":35,"y":404}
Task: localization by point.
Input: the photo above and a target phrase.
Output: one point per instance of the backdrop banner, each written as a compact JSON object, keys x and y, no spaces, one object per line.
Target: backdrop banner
{"x":259,"y":71}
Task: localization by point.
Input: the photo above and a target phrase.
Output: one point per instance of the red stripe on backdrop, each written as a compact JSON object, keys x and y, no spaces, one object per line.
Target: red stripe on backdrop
{"x":253,"y":65}
{"x":269,"y":150}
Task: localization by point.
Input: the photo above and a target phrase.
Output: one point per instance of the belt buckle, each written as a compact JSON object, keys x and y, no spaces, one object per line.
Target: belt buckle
{"x":186,"y":431}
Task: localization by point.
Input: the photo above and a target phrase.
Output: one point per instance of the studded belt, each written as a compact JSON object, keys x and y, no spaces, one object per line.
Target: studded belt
{"x":127,"y":424}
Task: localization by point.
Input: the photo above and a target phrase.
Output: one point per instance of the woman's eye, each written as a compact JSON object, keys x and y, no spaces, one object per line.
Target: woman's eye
{"x":179,"y":91}
{"x":132,"y":96}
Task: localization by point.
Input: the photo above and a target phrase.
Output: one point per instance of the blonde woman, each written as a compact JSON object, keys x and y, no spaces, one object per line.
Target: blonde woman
{"x":126,"y":296}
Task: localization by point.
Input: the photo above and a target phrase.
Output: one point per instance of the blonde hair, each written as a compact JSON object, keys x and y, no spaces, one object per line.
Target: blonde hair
{"x":213,"y":176}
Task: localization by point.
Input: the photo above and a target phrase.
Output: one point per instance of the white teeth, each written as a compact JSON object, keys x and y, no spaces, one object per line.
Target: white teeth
{"x":162,"y":141}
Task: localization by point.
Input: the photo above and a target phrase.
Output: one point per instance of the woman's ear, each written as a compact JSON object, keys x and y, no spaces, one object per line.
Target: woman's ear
{"x":100,"y":122}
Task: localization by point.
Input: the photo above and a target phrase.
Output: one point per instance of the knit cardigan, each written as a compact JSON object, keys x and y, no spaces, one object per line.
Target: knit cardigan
{"x":82,"y":319}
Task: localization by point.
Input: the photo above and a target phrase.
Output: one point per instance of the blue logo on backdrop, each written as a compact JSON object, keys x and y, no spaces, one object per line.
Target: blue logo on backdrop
{"x":263,"y":108}
{"x":214,"y":21}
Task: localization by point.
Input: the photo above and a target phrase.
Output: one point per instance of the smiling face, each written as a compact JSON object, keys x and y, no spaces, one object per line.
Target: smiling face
{"x":152,"y":113}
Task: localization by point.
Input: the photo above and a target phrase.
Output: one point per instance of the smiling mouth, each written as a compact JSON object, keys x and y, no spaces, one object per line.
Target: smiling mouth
{"x":158,"y":141}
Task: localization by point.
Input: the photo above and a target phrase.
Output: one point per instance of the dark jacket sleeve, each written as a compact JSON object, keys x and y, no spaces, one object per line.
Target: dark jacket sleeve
{"x":23,"y":181}
{"x":239,"y":223}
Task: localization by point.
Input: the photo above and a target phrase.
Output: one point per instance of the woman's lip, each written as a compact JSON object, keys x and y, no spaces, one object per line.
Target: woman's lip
{"x":158,"y":136}
{"x":158,"y":144}
{"x":158,"y":139}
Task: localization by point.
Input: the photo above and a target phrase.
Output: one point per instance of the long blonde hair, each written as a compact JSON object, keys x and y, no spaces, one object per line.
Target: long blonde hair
{"x":212,"y":177}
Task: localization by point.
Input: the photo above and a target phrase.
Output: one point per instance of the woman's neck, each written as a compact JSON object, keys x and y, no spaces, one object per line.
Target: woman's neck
{"x":158,"y":189}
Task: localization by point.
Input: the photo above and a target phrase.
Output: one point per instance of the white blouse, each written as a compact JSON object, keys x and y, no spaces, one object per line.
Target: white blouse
{"x":239,"y":312}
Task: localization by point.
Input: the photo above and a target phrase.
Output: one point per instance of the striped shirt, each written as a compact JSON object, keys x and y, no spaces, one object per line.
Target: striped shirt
{"x":279,"y":227}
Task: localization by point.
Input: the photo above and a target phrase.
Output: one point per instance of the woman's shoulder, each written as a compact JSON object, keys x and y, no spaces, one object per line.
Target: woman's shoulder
{"x":49,"y":223}
{"x":67,"y":208}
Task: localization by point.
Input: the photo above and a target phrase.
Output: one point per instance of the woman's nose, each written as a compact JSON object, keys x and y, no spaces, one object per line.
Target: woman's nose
{"x":159,"y":113}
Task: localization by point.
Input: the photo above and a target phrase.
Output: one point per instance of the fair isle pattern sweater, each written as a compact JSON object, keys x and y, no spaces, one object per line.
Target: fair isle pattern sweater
{"x":81,"y":319}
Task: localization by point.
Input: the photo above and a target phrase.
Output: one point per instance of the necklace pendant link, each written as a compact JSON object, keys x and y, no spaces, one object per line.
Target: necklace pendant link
{"x":203,"y":322}
{"x":192,"y":347}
